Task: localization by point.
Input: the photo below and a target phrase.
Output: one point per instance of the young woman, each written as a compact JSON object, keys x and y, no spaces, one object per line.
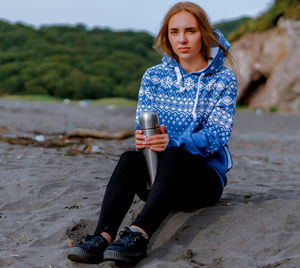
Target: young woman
{"x":194,"y":96}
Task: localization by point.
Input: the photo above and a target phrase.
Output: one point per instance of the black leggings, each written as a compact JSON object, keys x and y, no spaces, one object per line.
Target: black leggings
{"x":183,"y":181}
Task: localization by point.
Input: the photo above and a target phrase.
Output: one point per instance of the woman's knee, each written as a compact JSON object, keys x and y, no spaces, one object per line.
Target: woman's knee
{"x":129,"y":155}
{"x":173,"y":154}
{"x":174,"y":150}
{"x":128,"y":169}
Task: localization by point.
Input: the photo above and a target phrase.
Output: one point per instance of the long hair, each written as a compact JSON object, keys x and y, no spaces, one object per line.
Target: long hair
{"x":162,"y":42}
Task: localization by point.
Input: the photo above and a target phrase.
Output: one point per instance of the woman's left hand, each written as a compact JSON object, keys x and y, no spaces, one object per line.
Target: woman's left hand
{"x":158,"y":142}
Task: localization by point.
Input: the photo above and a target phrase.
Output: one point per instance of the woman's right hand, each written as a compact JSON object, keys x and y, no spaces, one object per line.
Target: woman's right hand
{"x":139,"y":139}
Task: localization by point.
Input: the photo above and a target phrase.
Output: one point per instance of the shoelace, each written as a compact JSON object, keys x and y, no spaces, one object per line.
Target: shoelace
{"x":93,"y":241}
{"x":128,"y":237}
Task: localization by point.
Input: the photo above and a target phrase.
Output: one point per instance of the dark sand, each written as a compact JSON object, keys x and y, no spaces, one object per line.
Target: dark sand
{"x":48,"y":195}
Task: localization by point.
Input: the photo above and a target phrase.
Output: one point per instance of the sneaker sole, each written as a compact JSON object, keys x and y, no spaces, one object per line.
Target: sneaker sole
{"x":78,"y":254}
{"x":112,"y":255}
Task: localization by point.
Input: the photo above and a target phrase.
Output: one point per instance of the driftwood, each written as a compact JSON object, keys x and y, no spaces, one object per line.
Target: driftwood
{"x":25,"y":141}
{"x":96,"y":134}
{"x":3,"y":129}
{"x":75,"y":137}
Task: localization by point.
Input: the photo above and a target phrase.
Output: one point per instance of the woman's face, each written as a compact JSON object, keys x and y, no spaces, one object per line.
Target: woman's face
{"x":185,"y":36}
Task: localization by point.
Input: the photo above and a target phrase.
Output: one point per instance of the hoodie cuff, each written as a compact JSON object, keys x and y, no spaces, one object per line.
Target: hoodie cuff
{"x":171,"y":143}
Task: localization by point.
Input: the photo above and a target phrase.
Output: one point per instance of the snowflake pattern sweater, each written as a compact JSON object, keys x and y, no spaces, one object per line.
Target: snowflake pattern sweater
{"x":197,"y":108}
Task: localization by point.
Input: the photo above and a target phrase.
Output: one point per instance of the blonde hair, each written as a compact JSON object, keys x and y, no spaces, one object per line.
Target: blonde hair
{"x":162,"y":42}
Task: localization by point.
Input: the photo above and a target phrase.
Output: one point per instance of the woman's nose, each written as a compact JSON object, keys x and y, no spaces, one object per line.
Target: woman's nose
{"x":182,"y":38}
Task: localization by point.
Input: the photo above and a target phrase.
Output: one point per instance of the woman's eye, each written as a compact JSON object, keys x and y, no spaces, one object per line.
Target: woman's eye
{"x":174,"y":32}
{"x":191,"y":30}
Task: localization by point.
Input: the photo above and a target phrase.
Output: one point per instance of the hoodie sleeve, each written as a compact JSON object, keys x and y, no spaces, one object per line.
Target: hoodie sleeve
{"x":144,"y":97}
{"x":215,"y":132}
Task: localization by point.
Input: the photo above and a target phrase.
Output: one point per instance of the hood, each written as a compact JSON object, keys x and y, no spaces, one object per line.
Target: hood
{"x":217,"y":56}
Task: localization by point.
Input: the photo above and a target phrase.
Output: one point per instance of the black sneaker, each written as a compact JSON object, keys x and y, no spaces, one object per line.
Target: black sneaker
{"x":129,"y":249}
{"x":90,"y":251}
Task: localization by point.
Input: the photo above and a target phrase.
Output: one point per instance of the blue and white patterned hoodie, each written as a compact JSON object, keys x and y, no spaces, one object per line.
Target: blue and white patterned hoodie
{"x":197,"y":108}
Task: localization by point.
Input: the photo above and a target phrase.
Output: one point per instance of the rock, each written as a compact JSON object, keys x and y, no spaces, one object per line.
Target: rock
{"x":269,"y":67}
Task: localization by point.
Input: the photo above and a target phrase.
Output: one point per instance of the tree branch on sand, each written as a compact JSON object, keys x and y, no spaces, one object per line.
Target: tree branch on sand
{"x":74,"y":137}
{"x":89,"y":133}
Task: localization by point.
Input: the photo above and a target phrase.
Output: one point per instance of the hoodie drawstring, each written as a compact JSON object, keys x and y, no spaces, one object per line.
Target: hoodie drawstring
{"x":199,"y":86}
{"x":179,"y":79}
{"x":181,"y":89}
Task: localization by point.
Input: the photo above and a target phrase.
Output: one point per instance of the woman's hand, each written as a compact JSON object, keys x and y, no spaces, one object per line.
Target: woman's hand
{"x":156,"y":143}
{"x":139,"y":139}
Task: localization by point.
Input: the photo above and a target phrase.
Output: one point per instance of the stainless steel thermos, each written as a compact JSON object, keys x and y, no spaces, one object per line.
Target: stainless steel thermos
{"x":149,"y":125}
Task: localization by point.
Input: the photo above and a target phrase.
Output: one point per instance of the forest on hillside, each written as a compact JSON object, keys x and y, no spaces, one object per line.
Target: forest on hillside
{"x":73,"y":62}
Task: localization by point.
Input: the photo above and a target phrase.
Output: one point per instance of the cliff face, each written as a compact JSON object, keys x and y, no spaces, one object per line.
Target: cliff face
{"x":269,"y":66}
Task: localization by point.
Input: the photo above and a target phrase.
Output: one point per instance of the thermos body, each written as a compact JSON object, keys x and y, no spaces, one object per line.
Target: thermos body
{"x":150,"y":126}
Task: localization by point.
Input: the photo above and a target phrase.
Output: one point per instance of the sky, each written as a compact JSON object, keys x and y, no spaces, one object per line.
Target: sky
{"x":139,"y":15}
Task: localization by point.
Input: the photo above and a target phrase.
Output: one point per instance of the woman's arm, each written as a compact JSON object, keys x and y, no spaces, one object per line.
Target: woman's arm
{"x":216,"y":130}
{"x":145,"y":97}
{"x":158,"y":142}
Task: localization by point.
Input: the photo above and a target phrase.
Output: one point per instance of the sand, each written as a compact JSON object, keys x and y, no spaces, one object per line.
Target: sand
{"x":49,"y":195}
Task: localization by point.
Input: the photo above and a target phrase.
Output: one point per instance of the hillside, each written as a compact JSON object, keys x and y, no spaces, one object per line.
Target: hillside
{"x":73,"y":62}
{"x":286,"y":9}
{"x":229,"y":26}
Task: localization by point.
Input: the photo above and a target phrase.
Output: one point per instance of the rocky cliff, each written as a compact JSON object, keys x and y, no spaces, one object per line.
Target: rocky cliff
{"x":269,"y":66}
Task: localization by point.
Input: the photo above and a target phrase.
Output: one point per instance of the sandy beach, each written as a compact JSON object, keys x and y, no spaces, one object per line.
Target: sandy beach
{"x":51,"y":195}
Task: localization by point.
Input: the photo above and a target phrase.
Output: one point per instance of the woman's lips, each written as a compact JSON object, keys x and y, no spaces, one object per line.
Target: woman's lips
{"x":184,"y":49}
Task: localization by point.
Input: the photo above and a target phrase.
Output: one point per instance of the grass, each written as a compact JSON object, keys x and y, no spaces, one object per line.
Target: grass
{"x":244,"y":108}
{"x":273,"y":109}
{"x":115,"y":101}
{"x":45,"y":98}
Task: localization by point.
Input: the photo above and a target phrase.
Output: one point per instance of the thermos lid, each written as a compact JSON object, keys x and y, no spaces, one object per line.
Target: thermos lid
{"x":148,"y":119}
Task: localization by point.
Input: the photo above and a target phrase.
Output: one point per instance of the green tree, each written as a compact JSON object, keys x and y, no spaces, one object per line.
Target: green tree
{"x":73,"y":62}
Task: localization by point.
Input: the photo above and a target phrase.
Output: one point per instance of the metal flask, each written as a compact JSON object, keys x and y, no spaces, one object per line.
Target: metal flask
{"x":149,"y":125}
